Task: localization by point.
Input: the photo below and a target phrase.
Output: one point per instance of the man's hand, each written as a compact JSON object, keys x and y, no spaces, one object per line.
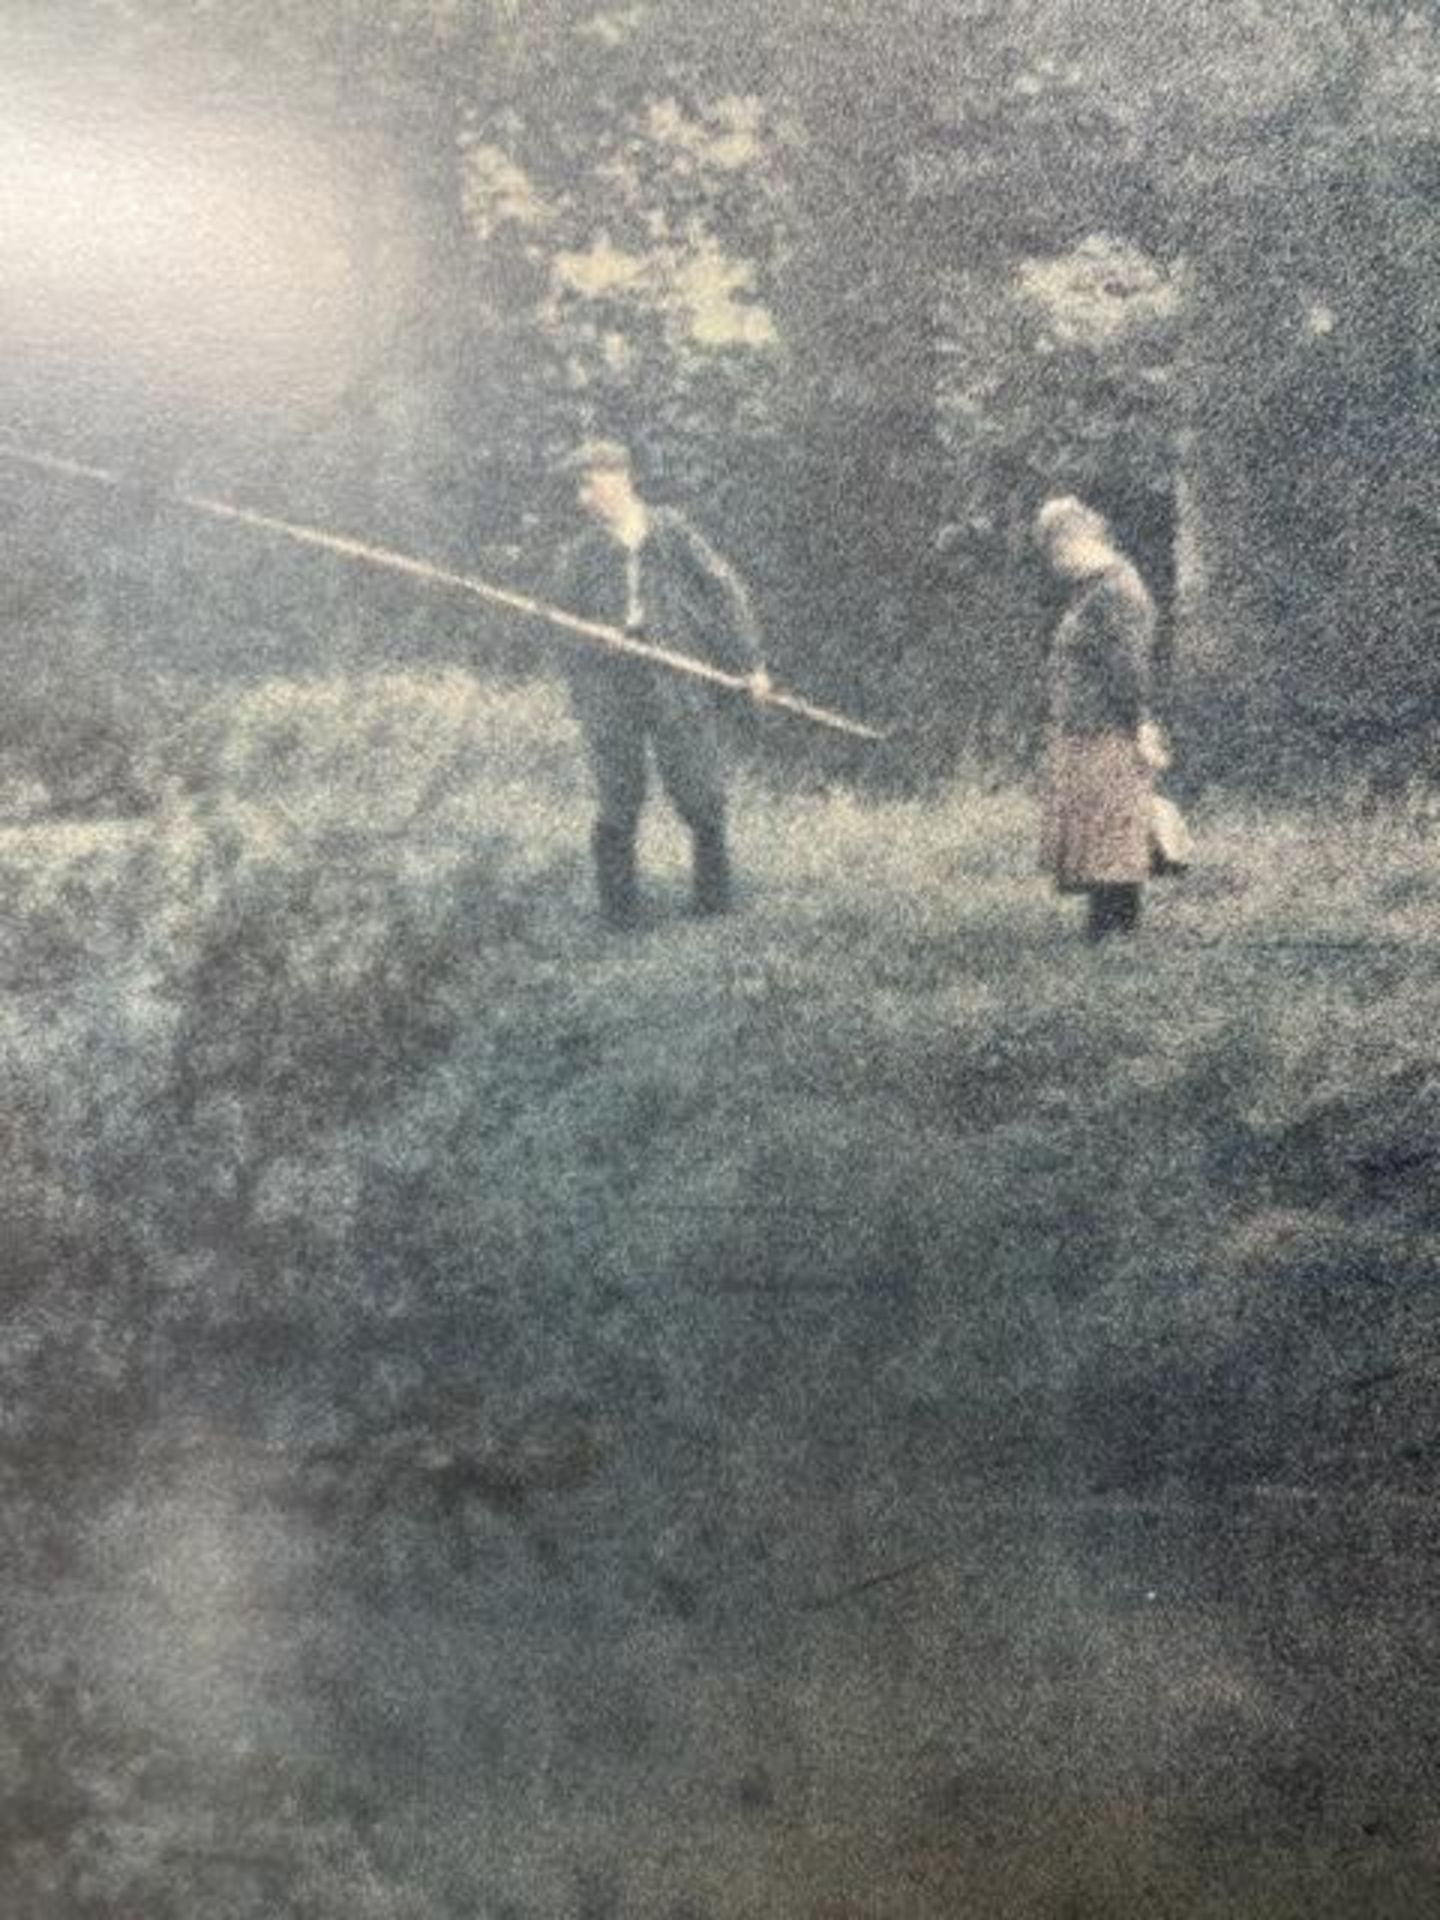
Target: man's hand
{"x":1154,"y":753}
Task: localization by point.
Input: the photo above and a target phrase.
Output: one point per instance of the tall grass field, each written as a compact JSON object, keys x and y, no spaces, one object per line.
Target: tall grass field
{"x":866,"y":1409}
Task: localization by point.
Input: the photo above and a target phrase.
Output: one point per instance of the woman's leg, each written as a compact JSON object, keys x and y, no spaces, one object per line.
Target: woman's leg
{"x":1113,"y":909}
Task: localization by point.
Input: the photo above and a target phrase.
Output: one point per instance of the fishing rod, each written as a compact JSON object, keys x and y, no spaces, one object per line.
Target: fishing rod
{"x":527,"y":606}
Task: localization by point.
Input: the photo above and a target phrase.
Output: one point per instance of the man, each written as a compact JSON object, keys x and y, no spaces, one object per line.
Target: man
{"x":646,"y":571}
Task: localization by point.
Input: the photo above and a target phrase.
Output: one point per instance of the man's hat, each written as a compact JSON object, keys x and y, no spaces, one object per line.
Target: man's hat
{"x":1068,"y":513}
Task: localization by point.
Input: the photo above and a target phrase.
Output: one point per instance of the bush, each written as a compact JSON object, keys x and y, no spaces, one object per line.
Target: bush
{"x":392,"y":1247}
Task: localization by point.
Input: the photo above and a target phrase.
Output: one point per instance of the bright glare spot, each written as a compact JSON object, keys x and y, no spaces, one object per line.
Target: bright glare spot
{"x":201,"y":1580}
{"x":196,"y":261}
{"x":714,"y":289}
{"x":727,"y":138}
{"x":1101,"y":288}
{"x":499,"y":193}
{"x":704,"y":293}
{"x":602,"y":269}
{"x":189,"y":1629}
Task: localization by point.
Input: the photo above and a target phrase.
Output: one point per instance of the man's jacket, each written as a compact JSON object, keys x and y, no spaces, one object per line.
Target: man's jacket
{"x":692,"y":600}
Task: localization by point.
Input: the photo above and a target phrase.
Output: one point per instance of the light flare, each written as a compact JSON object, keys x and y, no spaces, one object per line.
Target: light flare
{"x":204,"y":262}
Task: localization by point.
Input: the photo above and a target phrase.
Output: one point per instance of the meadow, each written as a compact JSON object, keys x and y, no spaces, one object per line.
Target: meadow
{"x":867,"y":1407}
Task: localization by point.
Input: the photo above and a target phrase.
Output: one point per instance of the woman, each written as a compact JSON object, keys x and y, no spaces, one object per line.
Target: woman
{"x":1103,"y":748}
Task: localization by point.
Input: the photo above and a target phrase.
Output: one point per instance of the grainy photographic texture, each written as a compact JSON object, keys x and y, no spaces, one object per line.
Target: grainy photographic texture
{"x":524,"y":1400}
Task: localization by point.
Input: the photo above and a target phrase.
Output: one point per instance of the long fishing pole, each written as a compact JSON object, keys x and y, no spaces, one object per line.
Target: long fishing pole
{"x":523,"y":604}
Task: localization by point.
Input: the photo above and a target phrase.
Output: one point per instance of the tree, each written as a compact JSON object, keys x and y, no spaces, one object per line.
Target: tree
{"x":863,"y":286}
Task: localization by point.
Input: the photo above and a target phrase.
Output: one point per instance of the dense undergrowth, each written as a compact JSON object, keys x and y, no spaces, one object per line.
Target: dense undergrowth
{"x":371,"y":1214}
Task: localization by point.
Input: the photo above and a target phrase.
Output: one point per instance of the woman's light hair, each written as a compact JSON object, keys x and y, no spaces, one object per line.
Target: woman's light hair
{"x":598,"y":456}
{"x":1068,"y":513}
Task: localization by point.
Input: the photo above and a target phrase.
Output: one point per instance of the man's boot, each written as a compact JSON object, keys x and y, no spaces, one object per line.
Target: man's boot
{"x":614,"y":851}
{"x":713,"y":890}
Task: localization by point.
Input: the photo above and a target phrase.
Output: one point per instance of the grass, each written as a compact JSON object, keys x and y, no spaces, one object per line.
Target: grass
{"x":864,"y":1407}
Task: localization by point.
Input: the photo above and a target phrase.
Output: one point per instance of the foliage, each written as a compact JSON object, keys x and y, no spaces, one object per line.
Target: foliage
{"x":468,"y":1362}
{"x":852,"y":284}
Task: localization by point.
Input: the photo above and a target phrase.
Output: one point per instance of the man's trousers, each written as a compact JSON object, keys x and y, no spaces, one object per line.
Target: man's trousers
{"x":626,"y":708}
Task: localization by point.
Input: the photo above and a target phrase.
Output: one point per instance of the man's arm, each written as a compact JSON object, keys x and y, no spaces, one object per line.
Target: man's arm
{"x":723,"y":583}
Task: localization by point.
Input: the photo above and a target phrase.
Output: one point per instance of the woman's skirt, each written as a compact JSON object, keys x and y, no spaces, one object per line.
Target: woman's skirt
{"x":1095,"y":817}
